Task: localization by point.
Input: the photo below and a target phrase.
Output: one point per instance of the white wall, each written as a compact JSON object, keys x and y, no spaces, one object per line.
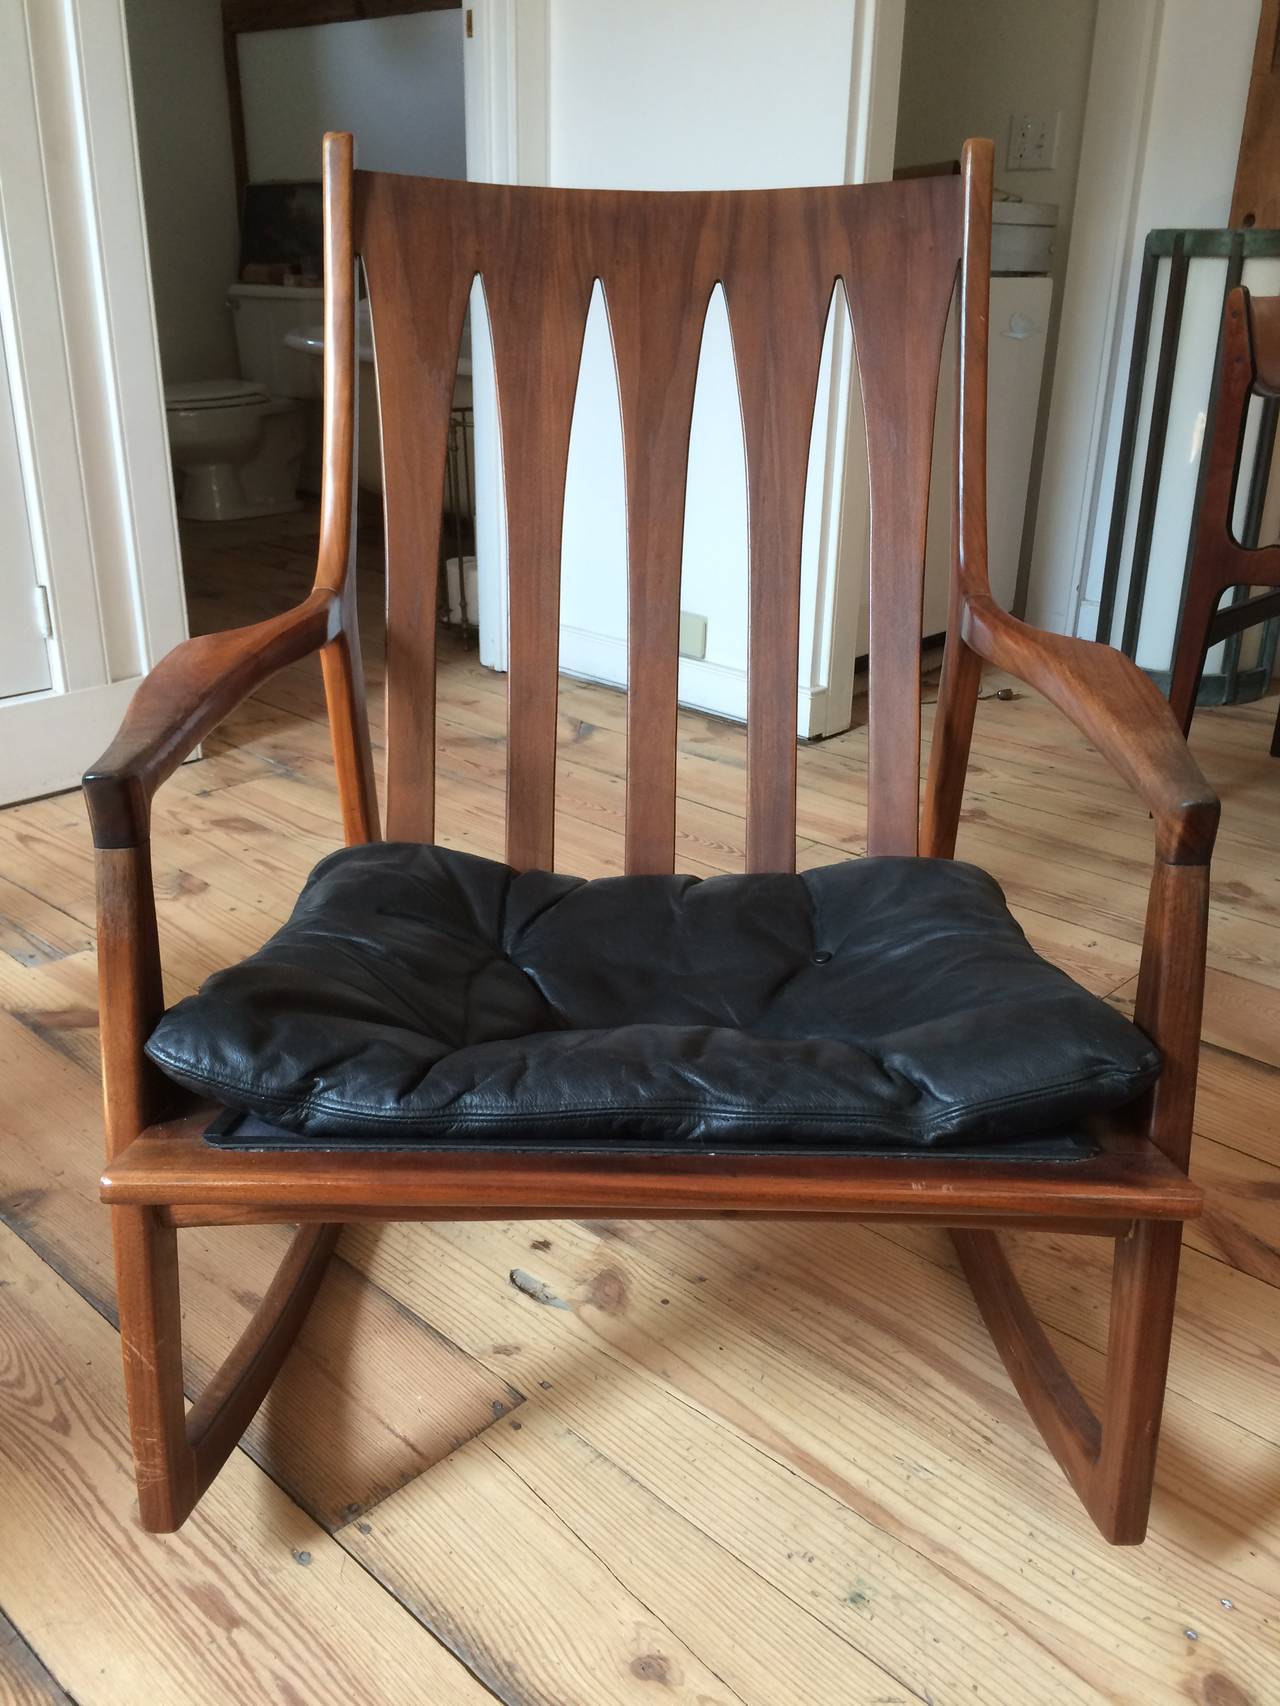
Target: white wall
{"x":184,"y":140}
{"x":1166,"y":104}
{"x":670,"y":96}
{"x":967,"y":67}
{"x":394,"y":83}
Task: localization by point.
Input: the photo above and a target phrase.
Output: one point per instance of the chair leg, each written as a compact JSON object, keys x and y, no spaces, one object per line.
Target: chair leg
{"x":1109,"y":1461}
{"x":151,"y":1339}
{"x":176,"y":1455}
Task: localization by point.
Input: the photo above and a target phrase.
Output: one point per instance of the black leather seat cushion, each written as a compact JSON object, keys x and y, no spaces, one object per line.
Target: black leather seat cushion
{"x":422,"y":994}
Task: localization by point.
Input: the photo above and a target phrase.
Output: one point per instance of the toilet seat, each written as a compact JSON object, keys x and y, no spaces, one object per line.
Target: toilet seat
{"x":235,"y":447}
{"x":215,"y":394}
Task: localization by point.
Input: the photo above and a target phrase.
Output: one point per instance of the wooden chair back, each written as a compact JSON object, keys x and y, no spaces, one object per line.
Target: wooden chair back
{"x":898,"y":248}
{"x":1248,"y":368}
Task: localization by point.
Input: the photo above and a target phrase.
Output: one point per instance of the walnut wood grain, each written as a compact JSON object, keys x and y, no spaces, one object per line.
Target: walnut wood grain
{"x":899,"y":295}
{"x":539,"y":253}
{"x":417,"y":358}
{"x":147,"y":1297}
{"x":1248,"y":366}
{"x":245,"y":15}
{"x":171,"y":1164}
{"x":183,"y":699}
{"x":340,"y":659}
{"x":231,"y":1398}
{"x":657,"y":297}
{"x":1255,"y":196}
{"x":1109,"y":1460}
{"x":1111,"y":701}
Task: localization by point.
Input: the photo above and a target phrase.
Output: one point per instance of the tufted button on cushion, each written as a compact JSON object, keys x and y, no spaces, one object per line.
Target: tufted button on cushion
{"x":422,"y":994}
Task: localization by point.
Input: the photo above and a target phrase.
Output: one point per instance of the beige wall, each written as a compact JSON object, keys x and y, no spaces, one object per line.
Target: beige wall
{"x":188,"y":183}
{"x":395,"y":83}
{"x":967,"y":66}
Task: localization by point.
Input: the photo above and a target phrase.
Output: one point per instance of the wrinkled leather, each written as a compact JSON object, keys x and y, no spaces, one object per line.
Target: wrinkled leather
{"x":882,"y":1003}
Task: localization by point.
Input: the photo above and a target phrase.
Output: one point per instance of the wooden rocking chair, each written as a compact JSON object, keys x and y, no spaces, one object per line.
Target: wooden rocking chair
{"x":898,"y":248}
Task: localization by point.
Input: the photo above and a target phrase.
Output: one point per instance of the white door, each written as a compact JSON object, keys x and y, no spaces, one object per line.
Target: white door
{"x":24,"y":652}
{"x":85,"y":497}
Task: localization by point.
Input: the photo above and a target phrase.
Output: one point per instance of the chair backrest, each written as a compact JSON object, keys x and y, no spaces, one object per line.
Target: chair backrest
{"x":897,"y":247}
{"x":1248,"y":367}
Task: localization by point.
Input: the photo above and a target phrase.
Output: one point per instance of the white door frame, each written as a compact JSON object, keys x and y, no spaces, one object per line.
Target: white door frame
{"x":845,"y":513}
{"x":508,"y":125}
{"x":80,"y":333}
{"x":508,"y":111}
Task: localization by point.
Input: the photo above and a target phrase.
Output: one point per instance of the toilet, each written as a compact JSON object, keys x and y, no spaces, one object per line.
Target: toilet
{"x":236,"y":449}
{"x":238,"y":445}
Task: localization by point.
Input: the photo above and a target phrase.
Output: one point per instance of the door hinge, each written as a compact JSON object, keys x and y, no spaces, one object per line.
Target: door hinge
{"x":470,"y":23}
{"x":44,"y":612}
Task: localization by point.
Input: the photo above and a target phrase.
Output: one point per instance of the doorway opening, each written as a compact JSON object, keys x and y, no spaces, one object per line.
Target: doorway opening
{"x":1018,"y":72}
{"x":231,"y":102}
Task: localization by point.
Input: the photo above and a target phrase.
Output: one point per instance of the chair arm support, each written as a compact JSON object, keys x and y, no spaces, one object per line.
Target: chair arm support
{"x":1109,"y":699}
{"x":183,"y":699}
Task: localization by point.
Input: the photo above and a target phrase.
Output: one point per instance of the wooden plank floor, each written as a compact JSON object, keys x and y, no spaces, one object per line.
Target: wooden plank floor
{"x":716,"y":1463}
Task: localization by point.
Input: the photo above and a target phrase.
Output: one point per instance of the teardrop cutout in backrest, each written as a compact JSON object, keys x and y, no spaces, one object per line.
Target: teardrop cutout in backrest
{"x":821,"y":537}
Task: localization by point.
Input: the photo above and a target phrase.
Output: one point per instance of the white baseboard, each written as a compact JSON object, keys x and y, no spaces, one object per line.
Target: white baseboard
{"x":716,"y":687}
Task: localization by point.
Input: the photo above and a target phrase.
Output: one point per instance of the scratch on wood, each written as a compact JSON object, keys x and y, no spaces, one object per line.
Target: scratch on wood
{"x":537,"y":1289}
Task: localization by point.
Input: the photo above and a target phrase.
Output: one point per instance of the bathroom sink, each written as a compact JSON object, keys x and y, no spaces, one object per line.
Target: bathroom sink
{"x":309,"y":340}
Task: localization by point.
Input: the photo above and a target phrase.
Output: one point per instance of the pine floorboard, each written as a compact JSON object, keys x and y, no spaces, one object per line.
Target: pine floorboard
{"x":588,"y":1463}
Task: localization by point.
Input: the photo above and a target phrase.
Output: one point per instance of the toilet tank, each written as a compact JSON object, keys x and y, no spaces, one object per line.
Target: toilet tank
{"x":264,"y":315}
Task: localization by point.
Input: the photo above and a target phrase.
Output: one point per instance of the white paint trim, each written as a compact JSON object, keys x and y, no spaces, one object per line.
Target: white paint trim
{"x":88,"y":388}
{"x":506,"y":68}
{"x":132,"y":400}
{"x":1087,"y":384}
{"x":714,"y":687}
{"x":43,"y":397}
{"x":826,"y":701}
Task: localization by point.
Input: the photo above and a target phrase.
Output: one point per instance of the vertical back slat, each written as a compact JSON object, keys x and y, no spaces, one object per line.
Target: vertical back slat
{"x":418,"y":298}
{"x":778,"y":313}
{"x":538,"y":268}
{"x":899,"y":283}
{"x":658,"y":280}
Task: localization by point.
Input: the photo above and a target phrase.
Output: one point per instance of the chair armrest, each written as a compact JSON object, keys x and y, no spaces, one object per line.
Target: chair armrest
{"x":184,"y":697}
{"x":1119,"y":709}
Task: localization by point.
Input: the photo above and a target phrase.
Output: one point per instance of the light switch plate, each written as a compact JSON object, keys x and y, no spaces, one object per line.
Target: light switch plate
{"x":693,"y":635}
{"x":1033,"y":142}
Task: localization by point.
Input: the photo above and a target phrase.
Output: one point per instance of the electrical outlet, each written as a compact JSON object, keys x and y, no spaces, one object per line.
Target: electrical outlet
{"x":1033,"y":142}
{"x":693,"y":635}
